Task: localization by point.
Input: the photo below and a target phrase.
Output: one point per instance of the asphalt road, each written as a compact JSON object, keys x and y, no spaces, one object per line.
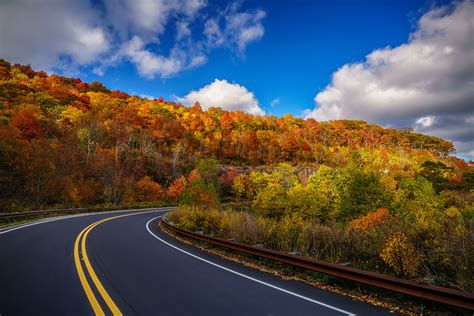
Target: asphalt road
{"x":142,"y":272}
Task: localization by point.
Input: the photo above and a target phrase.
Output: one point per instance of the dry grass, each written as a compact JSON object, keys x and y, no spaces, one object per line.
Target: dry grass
{"x":443,"y":258}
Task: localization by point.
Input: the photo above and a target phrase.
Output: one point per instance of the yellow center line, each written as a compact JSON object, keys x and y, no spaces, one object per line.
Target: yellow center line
{"x":108,"y":300}
{"x":82,"y":277}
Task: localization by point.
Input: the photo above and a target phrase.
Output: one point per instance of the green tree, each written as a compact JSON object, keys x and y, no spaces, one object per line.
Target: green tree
{"x":468,"y":178}
{"x":260,"y":180}
{"x":302,"y":200}
{"x":324,"y":187}
{"x":271,"y":201}
{"x":200,"y":194}
{"x":209,"y":170}
{"x":363,"y":193}
{"x":417,"y":203}
{"x":97,"y":86}
{"x":437,"y":173}
{"x":283,"y":174}
{"x":286,"y":175}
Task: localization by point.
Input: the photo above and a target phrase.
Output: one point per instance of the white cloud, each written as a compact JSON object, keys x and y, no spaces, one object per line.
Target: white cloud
{"x":213,"y":33}
{"x":67,"y":35}
{"x":182,"y":30}
{"x":246,"y":27}
{"x":228,"y":96}
{"x":147,"y":96}
{"x":248,"y":35}
{"x":198,"y":60}
{"x":149,"y":64}
{"x":275,"y":102}
{"x":44,"y":32}
{"x":426,"y":121}
{"x":191,"y":7}
{"x":145,"y":22}
{"x":238,"y":29}
{"x":431,"y":76}
{"x":147,"y":18}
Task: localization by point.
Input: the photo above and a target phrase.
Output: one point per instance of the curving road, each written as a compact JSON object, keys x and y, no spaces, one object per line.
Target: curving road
{"x":130,"y":267}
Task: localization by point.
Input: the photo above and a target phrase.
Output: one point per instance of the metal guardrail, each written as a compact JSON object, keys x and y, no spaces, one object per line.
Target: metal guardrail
{"x":429,"y":292}
{"x":16,"y":215}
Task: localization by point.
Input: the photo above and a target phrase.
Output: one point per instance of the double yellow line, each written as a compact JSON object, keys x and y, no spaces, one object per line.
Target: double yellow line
{"x":81,"y":241}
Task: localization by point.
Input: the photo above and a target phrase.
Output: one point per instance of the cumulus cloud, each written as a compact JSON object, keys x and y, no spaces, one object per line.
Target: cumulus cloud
{"x":426,"y":83}
{"x":228,"y":96}
{"x":67,"y":35}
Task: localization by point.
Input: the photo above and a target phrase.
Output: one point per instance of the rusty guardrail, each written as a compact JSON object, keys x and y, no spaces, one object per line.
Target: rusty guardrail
{"x":429,"y":292}
{"x":7,"y":216}
{"x":45,"y":212}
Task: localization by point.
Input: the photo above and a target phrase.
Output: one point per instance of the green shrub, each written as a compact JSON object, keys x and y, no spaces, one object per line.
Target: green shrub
{"x":200,"y":194}
{"x":271,"y":201}
{"x":363,"y":193}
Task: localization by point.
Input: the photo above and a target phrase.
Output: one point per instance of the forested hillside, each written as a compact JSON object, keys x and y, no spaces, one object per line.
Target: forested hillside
{"x":67,"y":142}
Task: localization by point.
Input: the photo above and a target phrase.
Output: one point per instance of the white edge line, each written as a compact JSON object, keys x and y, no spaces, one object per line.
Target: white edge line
{"x":246,"y":276}
{"x":43,"y":221}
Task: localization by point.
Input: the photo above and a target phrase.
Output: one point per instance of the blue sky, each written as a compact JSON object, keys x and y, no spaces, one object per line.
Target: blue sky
{"x":303,"y":44}
{"x":405,"y":63}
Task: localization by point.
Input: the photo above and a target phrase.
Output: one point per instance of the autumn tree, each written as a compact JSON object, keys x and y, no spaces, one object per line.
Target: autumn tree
{"x":28,"y":125}
{"x":176,"y":189}
{"x":242,"y":187}
{"x":146,"y":190}
{"x":227,"y":179}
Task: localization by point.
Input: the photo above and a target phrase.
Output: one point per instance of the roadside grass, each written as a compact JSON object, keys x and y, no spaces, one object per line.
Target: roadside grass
{"x":383,"y":298}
